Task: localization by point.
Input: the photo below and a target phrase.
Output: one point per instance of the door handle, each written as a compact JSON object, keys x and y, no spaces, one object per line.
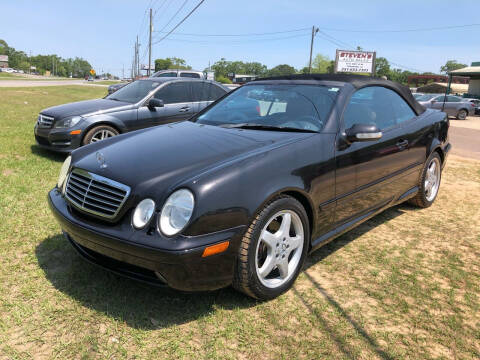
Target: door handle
{"x":184,"y":109}
{"x":402,"y":144}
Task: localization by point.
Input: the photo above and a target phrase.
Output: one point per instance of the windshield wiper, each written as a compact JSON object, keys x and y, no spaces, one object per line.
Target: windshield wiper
{"x":254,"y":126}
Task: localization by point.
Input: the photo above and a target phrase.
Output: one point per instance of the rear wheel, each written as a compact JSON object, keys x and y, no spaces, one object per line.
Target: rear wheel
{"x":462,"y":114}
{"x":99,"y":133}
{"x":273,"y":249}
{"x":429,"y":182}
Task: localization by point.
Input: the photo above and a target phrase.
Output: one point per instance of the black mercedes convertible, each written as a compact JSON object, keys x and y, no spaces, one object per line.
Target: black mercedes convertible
{"x":244,"y":190}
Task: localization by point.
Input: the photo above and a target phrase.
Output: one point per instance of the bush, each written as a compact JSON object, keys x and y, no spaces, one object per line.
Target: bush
{"x":223,"y":80}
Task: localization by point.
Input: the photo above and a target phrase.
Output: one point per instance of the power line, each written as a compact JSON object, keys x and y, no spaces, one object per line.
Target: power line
{"x":181,"y":22}
{"x":236,"y":42}
{"x":402,"y":30}
{"x":171,"y":19}
{"x":239,"y":35}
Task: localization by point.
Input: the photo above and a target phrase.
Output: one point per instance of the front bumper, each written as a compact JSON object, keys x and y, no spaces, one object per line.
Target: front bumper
{"x":183,"y":269}
{"x":58,"y":140}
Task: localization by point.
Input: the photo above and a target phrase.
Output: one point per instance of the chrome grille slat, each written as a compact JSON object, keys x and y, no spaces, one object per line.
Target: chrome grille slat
{"x":45,"y":121}
{"x":106,"y":189}
{"x":95,"y":194}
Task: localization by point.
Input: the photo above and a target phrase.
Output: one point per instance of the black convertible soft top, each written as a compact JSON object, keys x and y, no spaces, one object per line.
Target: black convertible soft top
{"x":358,"y":81}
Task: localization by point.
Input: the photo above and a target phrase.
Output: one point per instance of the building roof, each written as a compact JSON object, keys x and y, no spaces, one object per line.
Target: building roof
{"x":438,"y":88}
{"x":467,"y":71}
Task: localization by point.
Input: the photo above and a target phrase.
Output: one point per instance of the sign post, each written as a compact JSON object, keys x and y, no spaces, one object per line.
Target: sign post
{"x":350,"y":61}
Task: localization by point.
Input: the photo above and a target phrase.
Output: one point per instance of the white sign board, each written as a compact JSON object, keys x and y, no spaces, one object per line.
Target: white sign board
{"x":355,"y":61}
{"x":145,"y":67}
{"x":4,"y":58}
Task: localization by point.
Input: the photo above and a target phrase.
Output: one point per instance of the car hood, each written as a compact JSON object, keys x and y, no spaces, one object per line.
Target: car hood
{"x":83,"y":108}
{"x":151,"y":161}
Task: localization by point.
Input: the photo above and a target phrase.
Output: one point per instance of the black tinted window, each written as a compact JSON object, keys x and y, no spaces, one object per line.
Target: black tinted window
{"x":378,"y":106}
{"x":190,"y":75}
{"x":173,"y":93}
{"x":453,"y":99}
{"x":205,"y":91}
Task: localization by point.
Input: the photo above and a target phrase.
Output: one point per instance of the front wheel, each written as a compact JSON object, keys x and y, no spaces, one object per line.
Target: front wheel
{"x":429,"y":182}
{"x":99,"y":133}
{"x":273,"y":249}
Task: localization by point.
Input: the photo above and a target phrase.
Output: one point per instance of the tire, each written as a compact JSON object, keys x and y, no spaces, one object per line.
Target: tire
{"x":425,"y":197}
{"x":256,"y":254}
{"x":462,"y":114}
{"x":95,"y":133}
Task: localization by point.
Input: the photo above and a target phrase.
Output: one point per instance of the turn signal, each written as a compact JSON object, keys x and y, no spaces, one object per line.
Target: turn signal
{"x":75,"y":132}
{"x":215,"y":249}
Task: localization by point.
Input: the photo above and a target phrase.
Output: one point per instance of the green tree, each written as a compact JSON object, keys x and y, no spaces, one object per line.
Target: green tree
{"x":450,"y":66}
{"x":282,"y":69}
{"x":162,"y":64}
{"x":321,"y":64}
{"x":382,"y":67}
{"x":171,"y":63}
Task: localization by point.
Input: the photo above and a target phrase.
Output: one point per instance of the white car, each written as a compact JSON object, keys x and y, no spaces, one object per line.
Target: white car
{"x":8,"y":70}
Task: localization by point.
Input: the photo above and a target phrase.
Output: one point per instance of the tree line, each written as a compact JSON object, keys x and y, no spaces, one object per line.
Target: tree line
{"x":17,"y":59}
{"x":321,"y":64}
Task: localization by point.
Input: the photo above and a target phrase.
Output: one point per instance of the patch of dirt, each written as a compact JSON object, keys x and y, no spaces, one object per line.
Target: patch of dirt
{"x":7,"y":172}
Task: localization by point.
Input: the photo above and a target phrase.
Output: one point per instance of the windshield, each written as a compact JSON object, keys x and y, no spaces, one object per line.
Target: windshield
{"x":303,"y":107}
{"x":426,"y":97}
{"x":134,"y":92}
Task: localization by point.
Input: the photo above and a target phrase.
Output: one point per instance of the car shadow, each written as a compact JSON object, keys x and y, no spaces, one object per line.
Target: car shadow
{"x":328,"y":249}
{"x":51,"y":155}
{"x":148,"y":307}
{"x":140,"y":305}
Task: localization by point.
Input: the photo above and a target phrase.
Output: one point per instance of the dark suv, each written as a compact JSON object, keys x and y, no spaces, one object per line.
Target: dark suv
{"x":140,"y":104}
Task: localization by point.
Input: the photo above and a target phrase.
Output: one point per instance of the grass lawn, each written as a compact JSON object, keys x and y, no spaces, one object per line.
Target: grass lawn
{"x":404,"y":285}
{"x":106,"y":82}
{"x":10,"y":76}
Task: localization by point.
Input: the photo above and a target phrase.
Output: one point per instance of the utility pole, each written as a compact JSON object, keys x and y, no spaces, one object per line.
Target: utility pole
{"x":123,"y":71}
{"x":314,"y":31}
{"x":150,"y":45}
{"x":138,"y":57}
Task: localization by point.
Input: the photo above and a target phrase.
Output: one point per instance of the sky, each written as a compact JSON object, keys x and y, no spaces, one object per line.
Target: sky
{"x":104,"y":31}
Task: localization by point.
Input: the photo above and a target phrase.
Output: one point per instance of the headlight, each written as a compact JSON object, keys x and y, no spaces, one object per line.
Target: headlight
{"x":68,"y":122}
{"x":63,"y":172}
{"x":176,"y":212}
{"x":143,"y":213}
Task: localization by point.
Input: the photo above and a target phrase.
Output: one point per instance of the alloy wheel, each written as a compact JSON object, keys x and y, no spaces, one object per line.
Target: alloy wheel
{"x":432,"y":179}
{"x":101,"y":135}
{"x":279,"y":249}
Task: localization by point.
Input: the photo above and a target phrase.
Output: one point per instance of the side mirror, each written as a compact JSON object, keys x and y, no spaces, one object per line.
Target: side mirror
{"x":363,"y":132}
{"x":154,"y":103}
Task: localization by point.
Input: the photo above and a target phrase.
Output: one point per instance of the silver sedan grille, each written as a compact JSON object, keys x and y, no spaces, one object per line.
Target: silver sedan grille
{"x":95,"y":194}
{"x":44,"y":121}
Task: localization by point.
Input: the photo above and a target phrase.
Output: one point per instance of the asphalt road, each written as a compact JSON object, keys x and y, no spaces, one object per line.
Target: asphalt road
{"x":30,"y":83}
{"x":465,"y":141}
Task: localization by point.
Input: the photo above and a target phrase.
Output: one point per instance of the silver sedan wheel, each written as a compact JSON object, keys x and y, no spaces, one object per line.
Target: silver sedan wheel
{"x":279,"y":249}
{"x":101,"y":135}
{"x":432,"y":179}
{"x":462,"y":115}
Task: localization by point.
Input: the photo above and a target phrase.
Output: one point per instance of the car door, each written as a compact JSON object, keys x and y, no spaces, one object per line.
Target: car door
{"x":176,"y":97}
{"x":369,"y":173}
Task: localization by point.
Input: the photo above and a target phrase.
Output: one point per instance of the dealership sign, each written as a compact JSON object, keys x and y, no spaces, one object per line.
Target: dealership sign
{"x":355,"y":61}
{"x":4,"y":58}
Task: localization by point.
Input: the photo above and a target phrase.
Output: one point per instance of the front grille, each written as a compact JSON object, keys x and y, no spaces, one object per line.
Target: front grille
{"x":44,"y":121}
{"x":95,"y":194}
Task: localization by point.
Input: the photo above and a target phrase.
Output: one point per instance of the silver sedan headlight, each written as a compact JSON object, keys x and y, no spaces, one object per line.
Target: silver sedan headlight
{"x":64,"y":172}
{"x":143,"y":213}
{"x":68,"y":122}
{"x":176,"y":212}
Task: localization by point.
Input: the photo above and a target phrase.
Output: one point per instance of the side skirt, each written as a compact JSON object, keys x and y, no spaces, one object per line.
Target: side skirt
{"x":343,"y":228}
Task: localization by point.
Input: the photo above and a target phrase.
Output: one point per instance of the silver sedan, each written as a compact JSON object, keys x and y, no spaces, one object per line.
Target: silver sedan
{"x":454,"y":105}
